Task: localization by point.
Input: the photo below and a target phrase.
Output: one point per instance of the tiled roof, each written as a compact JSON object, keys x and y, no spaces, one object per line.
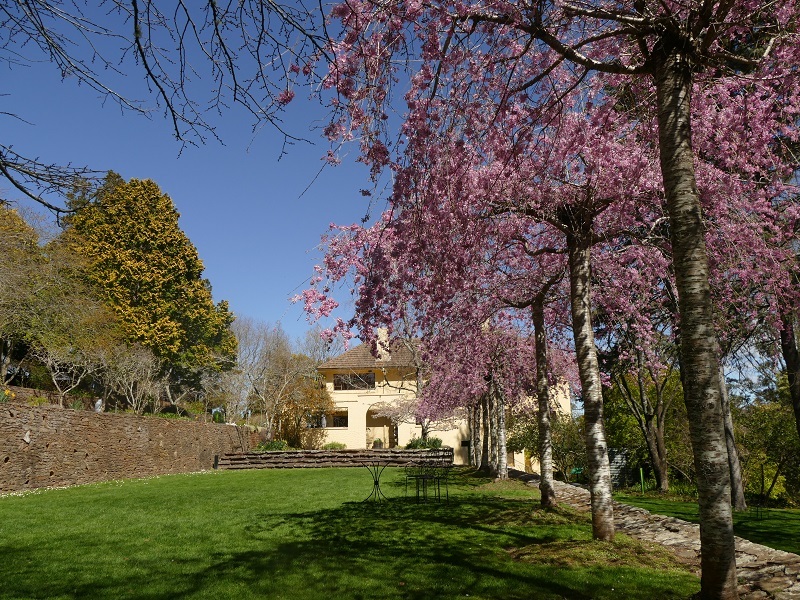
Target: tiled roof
{"x":361,"y":357}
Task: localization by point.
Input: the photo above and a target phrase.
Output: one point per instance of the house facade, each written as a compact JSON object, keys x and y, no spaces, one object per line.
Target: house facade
{"x":374,"y":399}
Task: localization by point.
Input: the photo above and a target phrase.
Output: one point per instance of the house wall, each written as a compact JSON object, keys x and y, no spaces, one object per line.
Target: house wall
{"x":362,"y":430}
{"x":391,"y":385}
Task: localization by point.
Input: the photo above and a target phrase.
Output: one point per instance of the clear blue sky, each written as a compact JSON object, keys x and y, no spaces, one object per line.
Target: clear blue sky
{"x":244,"y":209}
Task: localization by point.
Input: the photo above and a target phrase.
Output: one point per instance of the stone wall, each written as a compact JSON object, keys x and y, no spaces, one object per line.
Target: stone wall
{"x":303,"y":459}
{"x":50,"y":446}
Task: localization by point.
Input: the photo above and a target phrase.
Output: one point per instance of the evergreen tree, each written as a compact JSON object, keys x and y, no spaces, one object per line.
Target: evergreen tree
{"x":149,"y":273}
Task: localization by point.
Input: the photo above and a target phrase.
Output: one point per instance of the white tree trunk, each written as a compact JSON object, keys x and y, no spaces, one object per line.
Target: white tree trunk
{"x":546,"y":487}
{"x":698,"y":348}
{"x":579,"y":243}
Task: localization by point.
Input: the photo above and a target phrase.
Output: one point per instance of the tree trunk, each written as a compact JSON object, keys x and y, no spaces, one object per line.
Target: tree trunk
{"x":543,"y":398}
{"x":657,"y":458}
{"x":791,"y":357}
{"x":471,"y":429}
{"x":652,"y":425}
{"x":579,"y":242}
{"x":699,"y":360}
{"x":486,"y":429}
{"x":738,"y":501}
{"x":476,"y":435}
{"x":6,"y":348}
{"x":661,"y":464}
{"x":493,"y":457}
{"x":502,"y":450}
{"x":650,"y":419}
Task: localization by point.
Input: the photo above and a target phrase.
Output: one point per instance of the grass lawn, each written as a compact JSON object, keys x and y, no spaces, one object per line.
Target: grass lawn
{"x":778,"y":528}
{"x":306,"y":534}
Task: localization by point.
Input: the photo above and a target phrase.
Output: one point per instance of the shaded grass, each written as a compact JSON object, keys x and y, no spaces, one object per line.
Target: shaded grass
{"x":777,"y":528}
{"x":305,"y":534}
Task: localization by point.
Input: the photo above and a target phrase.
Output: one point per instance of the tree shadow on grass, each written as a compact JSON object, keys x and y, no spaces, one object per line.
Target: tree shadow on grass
{"x":777,"y":529}
{"x":400,"y":549}
{"x":477,"y":546}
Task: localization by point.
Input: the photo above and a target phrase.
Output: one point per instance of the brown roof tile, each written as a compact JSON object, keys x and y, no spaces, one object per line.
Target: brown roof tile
{"x":361,"y":357}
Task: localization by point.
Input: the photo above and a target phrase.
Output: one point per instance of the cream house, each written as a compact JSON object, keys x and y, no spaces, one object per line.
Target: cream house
{"x":368,"y":391}
{"x":374,"y":397}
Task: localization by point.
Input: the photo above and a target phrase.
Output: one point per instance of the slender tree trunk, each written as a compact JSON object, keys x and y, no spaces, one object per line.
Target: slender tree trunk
{"x":579,"y":243}
{"x":543,"y":398}
{"x":425,"y":429}
{"x":493,"y":437}
{"x":791,"y":357}
{"x":650,"y":419}
{"x":471,"y":428}
{"x":660,"y":417}
{"x":5,"y":359}
{"x":699,"y":360}
{"x":650,"y":425}
{"x":660,"y":464}
{"x":502,"y":450}
{"x":476,"y":435}
{"x":774,"y":478}
{"x":485,"y":466}
{"x":656,"y":458}
{"x":738,"y":501}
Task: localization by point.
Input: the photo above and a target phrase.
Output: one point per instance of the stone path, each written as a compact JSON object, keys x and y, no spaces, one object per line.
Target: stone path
{"x":763,"y":572}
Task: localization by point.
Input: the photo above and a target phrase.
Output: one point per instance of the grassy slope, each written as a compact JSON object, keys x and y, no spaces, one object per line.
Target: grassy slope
{"x":778,"y":528}
{"x":305,"y":534}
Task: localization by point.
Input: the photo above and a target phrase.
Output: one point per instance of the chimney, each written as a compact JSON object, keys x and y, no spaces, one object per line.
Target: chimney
{"x":382,"y":344}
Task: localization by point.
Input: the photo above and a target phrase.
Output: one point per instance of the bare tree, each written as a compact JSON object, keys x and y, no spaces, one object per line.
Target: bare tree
{"x":196,"y":59}
{"x":134,"y":373}
{"x":270,"y":369}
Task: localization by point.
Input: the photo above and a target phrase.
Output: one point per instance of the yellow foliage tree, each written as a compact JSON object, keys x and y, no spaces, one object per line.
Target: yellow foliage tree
{"x":19,"y":265}
{"x":149,"y":273}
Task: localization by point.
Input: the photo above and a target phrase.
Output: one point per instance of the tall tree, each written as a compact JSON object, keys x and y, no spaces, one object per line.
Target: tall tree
{"x":20,"y":267}
{"x":150,"y":275}
{"x":70,"y":328}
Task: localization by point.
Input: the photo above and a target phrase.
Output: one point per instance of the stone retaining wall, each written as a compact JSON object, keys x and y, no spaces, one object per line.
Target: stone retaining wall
{"x":50,"y":446}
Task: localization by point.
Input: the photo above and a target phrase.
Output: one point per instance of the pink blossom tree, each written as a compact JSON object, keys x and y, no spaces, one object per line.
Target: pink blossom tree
{"x":746,"y":49}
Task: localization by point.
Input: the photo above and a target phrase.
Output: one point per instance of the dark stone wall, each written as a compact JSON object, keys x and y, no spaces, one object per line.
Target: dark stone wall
{"x":50,"y":446}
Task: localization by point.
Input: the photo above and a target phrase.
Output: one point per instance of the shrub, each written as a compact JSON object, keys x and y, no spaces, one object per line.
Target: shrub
{"x":431,"y":443}
{"x":38,"y":401}
{"x":273,"y":446}
{"x":334,"y":446}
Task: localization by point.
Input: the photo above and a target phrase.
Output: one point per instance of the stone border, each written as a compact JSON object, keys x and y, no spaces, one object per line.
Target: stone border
{"x":763,"y":572}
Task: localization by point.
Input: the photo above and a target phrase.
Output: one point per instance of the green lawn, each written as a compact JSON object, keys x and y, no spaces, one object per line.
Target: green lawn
{"x":306,"y":534}
{"x":776,"y":528}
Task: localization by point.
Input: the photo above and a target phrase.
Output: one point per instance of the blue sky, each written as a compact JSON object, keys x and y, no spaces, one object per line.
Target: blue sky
{"x":245,"y":210}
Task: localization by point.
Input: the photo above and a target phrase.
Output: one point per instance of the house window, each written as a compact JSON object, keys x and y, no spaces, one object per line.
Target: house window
{"x":340,"y":419}
{"x":323,"y":420}
{"x":354,"y":381}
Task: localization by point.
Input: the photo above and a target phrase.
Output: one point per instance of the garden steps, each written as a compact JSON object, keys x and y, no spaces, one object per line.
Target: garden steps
{"x":299,"y":459}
